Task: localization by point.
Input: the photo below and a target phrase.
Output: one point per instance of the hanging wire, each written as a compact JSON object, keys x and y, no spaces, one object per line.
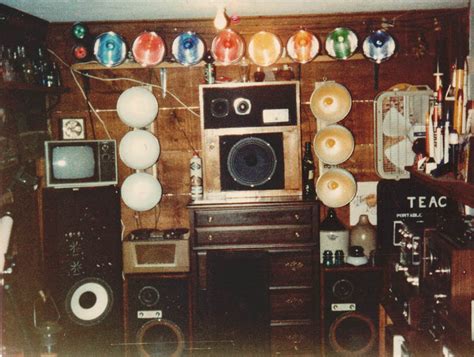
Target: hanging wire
{"x":127,"y":79}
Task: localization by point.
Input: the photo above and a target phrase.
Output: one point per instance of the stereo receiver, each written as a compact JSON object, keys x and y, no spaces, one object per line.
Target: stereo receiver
{"x":156,"y":251}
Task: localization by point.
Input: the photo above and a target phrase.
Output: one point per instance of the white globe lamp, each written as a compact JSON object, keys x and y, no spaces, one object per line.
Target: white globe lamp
{"x":139,"y":149}
{"x":141,"y":191}
{"x":137,"y":107}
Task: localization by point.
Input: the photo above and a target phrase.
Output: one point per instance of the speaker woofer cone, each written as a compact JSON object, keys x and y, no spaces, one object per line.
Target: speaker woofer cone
{"x":352,"y":334}
{"x":89,"y":301}
{"x":160,"y":338}
{"x":252,"y":162}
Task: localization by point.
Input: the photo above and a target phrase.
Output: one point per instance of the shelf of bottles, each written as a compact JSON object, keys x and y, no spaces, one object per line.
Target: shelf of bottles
{"x":28,"y":69}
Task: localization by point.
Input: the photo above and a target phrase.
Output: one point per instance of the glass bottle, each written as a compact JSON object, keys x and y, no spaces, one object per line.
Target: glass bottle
{"x":364,"y":234}
{"x":333,"y":235}
{"x":309,"y":192}
{"x":209,"y":68}
{"x":8,"y":74}
{"x":27,"y":67}
{"x":328,"y":258}
{"x":259,"y":75}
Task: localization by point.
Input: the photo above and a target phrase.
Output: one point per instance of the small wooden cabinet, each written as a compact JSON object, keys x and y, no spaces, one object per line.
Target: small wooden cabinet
{"x":255,"y":277}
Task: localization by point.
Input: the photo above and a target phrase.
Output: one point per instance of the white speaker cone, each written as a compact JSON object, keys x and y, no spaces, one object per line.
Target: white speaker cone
{"x":99,"y":296}
{"x":336,"y":187}
{"x":334,"y":144}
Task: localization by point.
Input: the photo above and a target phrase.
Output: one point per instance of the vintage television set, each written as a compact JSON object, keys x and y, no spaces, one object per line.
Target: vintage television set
{"x":80,"y":163}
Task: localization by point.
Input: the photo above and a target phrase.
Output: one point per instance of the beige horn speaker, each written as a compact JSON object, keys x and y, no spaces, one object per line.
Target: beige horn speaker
{"x":334,"y":144}
{"x":330,"y":102}
{"x":336,"y":187}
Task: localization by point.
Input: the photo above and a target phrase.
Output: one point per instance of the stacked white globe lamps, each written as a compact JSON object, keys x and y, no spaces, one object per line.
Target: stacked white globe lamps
{"x":333,"y":144}
{"x":139,"y":149}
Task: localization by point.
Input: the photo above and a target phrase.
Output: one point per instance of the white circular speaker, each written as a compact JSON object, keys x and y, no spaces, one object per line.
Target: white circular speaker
{"x":333,"y":144}
{"x":330,"y":102}
{"x":137,"y":107}
{"x":336,"y":187}
{"x":89,"y":301}
{"x":139,"y":149}
{"x":141,"y":191}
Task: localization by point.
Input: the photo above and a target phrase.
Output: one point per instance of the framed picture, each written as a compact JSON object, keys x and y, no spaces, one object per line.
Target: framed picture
{"x":72,"y":128}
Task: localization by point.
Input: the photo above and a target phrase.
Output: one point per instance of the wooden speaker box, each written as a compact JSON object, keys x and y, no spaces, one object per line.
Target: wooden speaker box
{"x":349,"y":310}
{"x":251,"y":141}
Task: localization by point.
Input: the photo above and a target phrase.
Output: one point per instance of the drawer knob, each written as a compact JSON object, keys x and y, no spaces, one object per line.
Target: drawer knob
{"x":210,"y":219}
{"x":297,"y":234}
{"x":210,"y":237}
{"x":294,"y":302}
{"x":294,"y":265}
{"x":297,"y":217}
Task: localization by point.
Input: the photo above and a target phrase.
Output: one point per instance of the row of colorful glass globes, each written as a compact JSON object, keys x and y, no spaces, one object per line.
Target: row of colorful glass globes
{"x":139,"y":149}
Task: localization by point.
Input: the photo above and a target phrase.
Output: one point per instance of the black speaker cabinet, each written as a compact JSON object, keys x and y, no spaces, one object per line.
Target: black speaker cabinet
{"x":157,"y":317}
{"x":83,"y":263}
{"x":250,"y":139}
{"x":350,"y":298}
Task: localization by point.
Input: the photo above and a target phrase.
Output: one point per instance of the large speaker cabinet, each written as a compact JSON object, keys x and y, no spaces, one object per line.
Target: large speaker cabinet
{"x":157,"y":315}
{"x":251,"y":144}
{"x":350,"y":299}
{"x":83,"y":263}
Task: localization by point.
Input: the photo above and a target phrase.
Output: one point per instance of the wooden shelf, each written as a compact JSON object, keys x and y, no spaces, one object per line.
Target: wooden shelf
{"x":93,"y":65}
{"x":446,"y":185}
{"x":28,"y":87}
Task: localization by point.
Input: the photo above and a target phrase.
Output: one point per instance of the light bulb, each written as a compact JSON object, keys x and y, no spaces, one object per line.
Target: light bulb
{"x":220,"y":21}
{"x":141,"y":191}
{"x":137,"y":107}
{"x":139,"y":149}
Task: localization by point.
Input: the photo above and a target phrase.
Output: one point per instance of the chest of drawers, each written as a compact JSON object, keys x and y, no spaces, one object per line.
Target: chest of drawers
{"x":255,"y":271}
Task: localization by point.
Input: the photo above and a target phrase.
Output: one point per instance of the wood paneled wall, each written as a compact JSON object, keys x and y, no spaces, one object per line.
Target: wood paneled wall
{"x":178,"y":129}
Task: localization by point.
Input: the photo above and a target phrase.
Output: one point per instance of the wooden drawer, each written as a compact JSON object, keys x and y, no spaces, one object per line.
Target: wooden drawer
{"x":288,"y":339}
{"x":291,"y":268}
{"x":253,"y":216}
{"x":254,"y":234}
{"x":291,"y":304}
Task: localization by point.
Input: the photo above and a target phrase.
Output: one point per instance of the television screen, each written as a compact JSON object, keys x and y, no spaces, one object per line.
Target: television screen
{"x":73,"y":162}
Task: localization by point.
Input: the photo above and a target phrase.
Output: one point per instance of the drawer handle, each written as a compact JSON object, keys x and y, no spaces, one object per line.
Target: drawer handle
{"x":210,"y":219}
{"x":294,"y":302}
{"x":294,"y":265}
{"x":210,"y":237}
{"x":295,"y":339}
{"x":297,"y":217}
{"x":297,"y":235}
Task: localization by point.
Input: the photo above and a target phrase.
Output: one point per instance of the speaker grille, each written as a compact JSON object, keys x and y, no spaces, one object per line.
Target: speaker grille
{"x":251,"y":162}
